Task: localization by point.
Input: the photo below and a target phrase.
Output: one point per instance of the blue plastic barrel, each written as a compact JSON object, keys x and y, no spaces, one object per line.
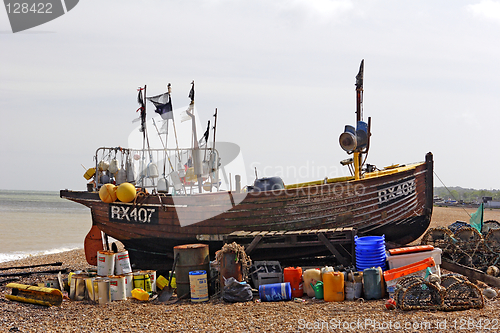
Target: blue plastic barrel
{"x":275,"y":292}
{"x":370,"y":252}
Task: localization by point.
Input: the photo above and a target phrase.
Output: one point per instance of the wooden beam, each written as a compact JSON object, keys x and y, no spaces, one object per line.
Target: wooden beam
{"x":472,"y":273}
{"x":253,"y":244}
{"x":332,"y":249}
{"x":31,"y":266}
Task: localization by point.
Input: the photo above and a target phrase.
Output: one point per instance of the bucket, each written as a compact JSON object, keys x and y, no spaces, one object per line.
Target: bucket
{"x":152,"y":278}
{"x":353,"y":290}
{"x":333,"y":286}
{"x":117,"y":287}
{"x":102,"y":292}
{"x":192,"y":257}
{"x":199,"y":286}
{"x":129,"y":284}
{"x":77,"y":287}
{"x":229,"y":267}
{"x":142,"y":281}
{"x":105,"y":263}
{"x":372,"y":283}
{"x":122,"y":263}
{"x":370,"y":252}
{"x":275,"y":292}
{"x":294,"y":276}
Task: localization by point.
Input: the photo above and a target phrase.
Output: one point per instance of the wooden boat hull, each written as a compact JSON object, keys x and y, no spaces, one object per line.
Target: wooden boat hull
{"x":396,"y":203}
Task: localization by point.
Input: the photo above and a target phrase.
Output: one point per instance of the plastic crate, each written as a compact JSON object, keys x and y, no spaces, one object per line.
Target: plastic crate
{"x":266,"y":272}
{"x":400,"y":260}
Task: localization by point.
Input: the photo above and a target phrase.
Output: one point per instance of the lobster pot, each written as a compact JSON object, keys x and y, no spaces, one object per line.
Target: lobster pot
{"x":105,"y":263}
{"x":117,"y":287}
{"x":199,"y":286}
{"x":122,"y":263}
{"x":129,"y":284}
{"x":142,"y":281}
{"x":152,"y":278}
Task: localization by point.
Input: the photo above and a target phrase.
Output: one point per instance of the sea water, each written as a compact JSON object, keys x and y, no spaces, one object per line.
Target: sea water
{"x":36,"y":223}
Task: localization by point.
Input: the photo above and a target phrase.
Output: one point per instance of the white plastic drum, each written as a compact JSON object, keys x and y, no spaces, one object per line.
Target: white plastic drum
{"x":105,"y":263}
{"x":199,"y":286}
{"x":117,"y":287}
{"x":122,"y":263}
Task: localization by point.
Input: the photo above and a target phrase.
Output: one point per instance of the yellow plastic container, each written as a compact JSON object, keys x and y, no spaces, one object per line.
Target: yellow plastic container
{"x":333,"y":286}
{"x":162,"y":282}
{"x":140,"y":294}
{"x":89,"y":173}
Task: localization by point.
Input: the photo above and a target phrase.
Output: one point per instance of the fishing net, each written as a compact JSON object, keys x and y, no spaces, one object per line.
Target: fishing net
{"x":419,"y":295}
{"x":453,"y":293}
{"x":488,"y":225}
{"x":449,"y":279}
{"x":442,"y":238}
{"x":466,"y":246}
{"x":462,"y":295}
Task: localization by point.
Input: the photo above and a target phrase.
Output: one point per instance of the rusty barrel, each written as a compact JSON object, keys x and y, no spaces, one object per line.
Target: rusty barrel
{"x":192,"y":257}
{"x":230,"y":268}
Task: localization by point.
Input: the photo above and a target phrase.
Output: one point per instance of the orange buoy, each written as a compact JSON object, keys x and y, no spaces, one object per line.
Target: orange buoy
{"x":107,"y":193}
{"x":126,"y":192}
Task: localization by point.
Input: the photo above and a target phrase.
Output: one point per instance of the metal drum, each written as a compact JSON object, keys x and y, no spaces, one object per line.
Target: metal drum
{"x":230,"y":267}
{"x":192,"y":257}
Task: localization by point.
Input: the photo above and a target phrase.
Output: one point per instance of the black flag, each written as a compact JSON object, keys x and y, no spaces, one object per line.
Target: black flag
{"x":142,"y":109}
{"x":191,"y":93}
{"x":163,"y":104}
{"x":205,"y":135}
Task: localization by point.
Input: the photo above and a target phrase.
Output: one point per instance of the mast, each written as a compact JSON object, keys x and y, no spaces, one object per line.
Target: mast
{"x":196,"y":150}
{"x":359,"y":117}
{"x":215,"y":166}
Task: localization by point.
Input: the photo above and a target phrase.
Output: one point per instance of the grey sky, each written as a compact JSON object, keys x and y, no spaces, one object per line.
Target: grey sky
{"x":281,"y":74}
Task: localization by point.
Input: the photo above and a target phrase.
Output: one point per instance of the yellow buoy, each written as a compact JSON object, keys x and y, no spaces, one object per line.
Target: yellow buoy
{"x":126,"y":192}
{"x":107,"y":193}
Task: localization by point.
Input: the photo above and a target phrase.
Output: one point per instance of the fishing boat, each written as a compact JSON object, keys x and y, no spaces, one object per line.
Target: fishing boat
{"x":395,"y":201}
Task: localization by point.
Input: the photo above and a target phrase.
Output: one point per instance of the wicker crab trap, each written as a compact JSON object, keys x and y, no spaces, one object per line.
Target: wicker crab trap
{"x":453,"y":292}
{"x":463,"y":244}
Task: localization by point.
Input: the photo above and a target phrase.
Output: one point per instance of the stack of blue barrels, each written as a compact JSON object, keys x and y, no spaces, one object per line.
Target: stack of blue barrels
{"x":370,"y":252}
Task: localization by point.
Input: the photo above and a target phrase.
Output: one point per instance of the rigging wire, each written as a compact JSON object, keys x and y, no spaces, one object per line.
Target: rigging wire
{"x":450,"y":192}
